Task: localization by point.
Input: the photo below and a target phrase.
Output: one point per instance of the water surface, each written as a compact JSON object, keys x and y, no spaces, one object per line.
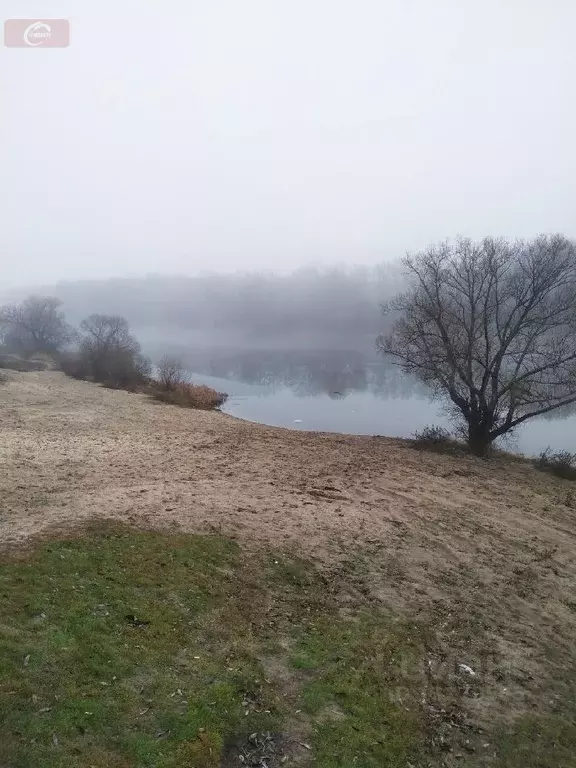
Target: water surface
{"x":342,"y":391}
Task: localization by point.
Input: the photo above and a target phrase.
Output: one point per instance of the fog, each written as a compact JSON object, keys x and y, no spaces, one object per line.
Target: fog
{"x":176,"y":137}
{"x":336,"y":308}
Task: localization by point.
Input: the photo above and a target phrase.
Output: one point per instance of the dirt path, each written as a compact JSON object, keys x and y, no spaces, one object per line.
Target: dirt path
{"x":486,"y":549}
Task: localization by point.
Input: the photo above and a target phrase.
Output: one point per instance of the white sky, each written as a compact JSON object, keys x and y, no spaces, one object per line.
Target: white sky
{"x":179,"y":135}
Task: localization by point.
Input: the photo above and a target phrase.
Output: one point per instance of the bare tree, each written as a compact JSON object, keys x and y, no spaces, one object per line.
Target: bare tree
{"x":35,"y":325}
{"x":491,"y":326}
{"x":171,"y":373}
{"x":107,"y":331}
{"x":110,"y":353}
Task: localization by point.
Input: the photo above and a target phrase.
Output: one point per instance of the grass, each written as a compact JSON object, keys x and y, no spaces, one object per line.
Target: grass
{"x":140,"y":649}
{"x":127,"y":649}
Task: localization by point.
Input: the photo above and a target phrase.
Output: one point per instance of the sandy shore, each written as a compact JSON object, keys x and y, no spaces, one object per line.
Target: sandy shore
{"x":445,"y":537}
{"x":71,"y":450}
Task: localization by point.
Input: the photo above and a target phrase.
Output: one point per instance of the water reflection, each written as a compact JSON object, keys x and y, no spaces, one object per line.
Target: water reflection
{"x":345,"y":391}
{"x":334,"y":373}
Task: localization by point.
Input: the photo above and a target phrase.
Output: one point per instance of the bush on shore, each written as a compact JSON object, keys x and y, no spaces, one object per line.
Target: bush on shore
{"x":72,"y":364}
{"x":562,"y":463}
{"x":103,"y":350}
{"x":437,"y":439}
{"x":122,"y":367}
{"x":118,"y":369}
{"x":432,"y":435}
{"x":171,"y":373}
{"x":187,"y":395}
{"x":21,"y":364}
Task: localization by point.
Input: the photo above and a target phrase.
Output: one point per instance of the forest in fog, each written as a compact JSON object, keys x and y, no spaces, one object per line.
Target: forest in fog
{"x":338,"y":307}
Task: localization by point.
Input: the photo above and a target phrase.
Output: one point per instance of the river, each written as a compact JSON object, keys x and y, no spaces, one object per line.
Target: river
{"x":347,"y":392}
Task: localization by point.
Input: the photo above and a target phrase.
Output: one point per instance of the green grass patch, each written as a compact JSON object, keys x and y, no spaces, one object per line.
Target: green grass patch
{"x":123,"y":649}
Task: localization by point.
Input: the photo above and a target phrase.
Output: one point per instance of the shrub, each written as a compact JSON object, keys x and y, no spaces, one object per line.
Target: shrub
{"x":16,"y":363}
{"x":432,"y":436}
{"x":35,"y":325}
{"x":108,"y":353}
{"x":171,"y":373}
{"x":124,"y":369}
{"x":188,"y":396}
{"x":561,"y":463}
{"x":438,"y":439}
{"x":73,"y":365}
{"x":117,"y":369}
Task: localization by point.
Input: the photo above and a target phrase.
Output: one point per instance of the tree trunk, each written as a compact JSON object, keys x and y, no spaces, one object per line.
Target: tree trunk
{"x":479,"y":439}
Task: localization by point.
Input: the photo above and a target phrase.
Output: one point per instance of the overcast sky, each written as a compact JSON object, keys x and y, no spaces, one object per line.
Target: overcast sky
{"x":179,"y":135}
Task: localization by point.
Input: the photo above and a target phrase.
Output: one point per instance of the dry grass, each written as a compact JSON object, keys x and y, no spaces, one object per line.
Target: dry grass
{"x":188,"y":395}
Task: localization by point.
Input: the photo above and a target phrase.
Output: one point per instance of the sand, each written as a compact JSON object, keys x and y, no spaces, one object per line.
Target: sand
{"x":487,"y":545}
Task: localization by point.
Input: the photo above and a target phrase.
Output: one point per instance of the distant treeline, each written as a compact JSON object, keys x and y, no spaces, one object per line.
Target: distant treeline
{"x":336,"y":305}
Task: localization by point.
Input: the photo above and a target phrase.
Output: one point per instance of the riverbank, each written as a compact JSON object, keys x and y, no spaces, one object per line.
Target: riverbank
{"x":479,"y":554}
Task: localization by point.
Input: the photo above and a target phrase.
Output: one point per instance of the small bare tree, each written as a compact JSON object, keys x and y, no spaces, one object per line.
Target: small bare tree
{"x":171,"y":373}
{"x":35,"y":325}
{"x":491,"y":327}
